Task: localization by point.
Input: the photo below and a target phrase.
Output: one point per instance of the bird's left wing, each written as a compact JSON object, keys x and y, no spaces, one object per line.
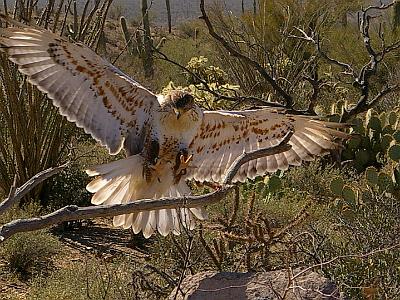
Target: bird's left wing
{"x":225,"y":135}
{"x":88,"y":90}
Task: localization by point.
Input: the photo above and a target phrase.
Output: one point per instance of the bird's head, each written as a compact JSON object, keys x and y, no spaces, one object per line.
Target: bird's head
{"x":180,"y":102}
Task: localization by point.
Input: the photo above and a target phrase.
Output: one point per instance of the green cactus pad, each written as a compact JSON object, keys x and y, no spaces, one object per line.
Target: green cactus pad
{"x":396,"y":176}
{"x":392,"y":118}
{"x":384,"y":180}
{"x":372,"y":175}
{"x":382,"y":118}
{"x":358,"y":126}
{"x":370,"y":113}
{"x":354,"y":142}
{"x":385,"y":141}
{"x":362,"y":158}
{"x":396,"y":135}
{"x":394,"y":152}
{"x":375,"y":124}
{"x":337,"y":186}
{"x":349,"y":195}
{"x":388,"y":129}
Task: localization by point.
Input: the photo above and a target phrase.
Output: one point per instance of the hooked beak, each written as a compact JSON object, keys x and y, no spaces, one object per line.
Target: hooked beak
{"x":177,"y":113}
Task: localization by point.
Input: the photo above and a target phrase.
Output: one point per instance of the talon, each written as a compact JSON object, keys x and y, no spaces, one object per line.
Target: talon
{"x":184,"y":164}
{"x":187,"y":160}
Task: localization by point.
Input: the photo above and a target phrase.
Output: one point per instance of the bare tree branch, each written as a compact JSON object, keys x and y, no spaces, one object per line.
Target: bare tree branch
{"x":361,"y":79}
{"x":17,"y":194}
{"x":263,"y":72}
{"x":363,"y":255}
{"x":206,"y":86}
{"x":72,"y":212}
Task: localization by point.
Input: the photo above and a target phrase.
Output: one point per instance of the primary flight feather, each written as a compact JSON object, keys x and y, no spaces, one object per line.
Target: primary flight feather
{"x":168,"y":138}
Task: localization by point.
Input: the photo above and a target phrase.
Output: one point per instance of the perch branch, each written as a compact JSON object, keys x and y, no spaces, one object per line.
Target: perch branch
{"x":72,"y":212}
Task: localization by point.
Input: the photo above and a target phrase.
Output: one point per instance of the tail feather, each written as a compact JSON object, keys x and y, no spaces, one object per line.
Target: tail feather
{"x":164,"y":221}
{"x":122,"y":182}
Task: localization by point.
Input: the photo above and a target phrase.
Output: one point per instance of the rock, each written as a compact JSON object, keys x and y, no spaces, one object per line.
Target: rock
{"x":211,"y":285}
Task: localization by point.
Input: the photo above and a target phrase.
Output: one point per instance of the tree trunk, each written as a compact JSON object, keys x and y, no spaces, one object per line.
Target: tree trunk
{"x":168,"y":4}
{"x":147,"y":55}
{"x":242,"y":7}
{"x":254,"y":7}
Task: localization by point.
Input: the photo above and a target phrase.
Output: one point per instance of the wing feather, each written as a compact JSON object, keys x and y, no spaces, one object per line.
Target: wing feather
{"x":88,"y":90}
{"x":225,"y":135}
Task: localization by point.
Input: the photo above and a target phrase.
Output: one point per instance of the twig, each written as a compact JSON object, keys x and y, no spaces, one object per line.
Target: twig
{"x":363,"y":255}
{"x":18,"y":193}
{"x":263,"y":72}
{"x":72,"y":212}
{"x":185,"y":266}
{"x":206,"y":86}
{"x":361,"y":79}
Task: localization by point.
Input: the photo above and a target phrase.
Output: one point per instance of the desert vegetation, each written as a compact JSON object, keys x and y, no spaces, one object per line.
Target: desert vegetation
{"x":338,"y":215}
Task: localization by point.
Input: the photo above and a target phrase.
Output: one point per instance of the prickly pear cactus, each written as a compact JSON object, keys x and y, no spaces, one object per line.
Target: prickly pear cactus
{"x":346,"y":192}
{"x":376,"y":139}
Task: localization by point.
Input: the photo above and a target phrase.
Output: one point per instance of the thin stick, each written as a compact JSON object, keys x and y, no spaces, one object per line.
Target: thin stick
{"x":17,"y":194}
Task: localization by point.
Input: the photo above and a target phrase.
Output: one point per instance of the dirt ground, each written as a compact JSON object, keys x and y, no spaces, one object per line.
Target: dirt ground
{"x":98,"y":239}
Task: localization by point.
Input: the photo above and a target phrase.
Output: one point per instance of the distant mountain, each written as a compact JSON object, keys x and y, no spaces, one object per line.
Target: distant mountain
{"x":180,"y":9}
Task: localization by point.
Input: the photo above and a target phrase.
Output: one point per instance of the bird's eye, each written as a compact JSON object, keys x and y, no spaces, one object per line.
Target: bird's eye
{"x":183,"y":101}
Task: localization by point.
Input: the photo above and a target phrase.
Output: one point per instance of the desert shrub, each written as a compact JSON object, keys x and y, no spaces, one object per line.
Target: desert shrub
{"x":360,"y":229}
{"x":93,"y":278}
{"x":191,"y":29}
{"x":66,"y":188}
{"x":29,"y":253}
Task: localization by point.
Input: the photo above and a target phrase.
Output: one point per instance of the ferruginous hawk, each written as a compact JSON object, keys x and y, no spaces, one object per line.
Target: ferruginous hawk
{"x":168,"y":139}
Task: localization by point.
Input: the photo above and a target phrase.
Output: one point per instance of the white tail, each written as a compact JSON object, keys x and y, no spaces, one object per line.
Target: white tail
{"x":122,"y":181}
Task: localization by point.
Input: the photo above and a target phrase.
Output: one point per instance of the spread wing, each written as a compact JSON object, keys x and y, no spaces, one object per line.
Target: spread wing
{"x":225,"y":135}
{"x":88,"y":90}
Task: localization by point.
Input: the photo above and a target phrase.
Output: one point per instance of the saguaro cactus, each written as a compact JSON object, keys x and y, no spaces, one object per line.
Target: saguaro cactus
{"x":127,"y":36}
{"x":168,"y":5}
{"x":396,"y":15}
{"x":147,"y":42}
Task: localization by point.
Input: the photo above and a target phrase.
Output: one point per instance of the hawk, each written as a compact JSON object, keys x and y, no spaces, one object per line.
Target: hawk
{"x":168,"y":139}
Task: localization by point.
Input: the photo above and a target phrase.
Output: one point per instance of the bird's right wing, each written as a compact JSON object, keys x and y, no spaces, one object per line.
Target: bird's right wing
{"x":224,"y":135}
{"x":88,"y":90}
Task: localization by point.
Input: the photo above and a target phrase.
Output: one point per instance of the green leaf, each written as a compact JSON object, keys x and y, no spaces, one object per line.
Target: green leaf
{"x":396,"y":176}
{"x":387,"y":130}
{"x":334,"y":118}
{"x":358,"y":126}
